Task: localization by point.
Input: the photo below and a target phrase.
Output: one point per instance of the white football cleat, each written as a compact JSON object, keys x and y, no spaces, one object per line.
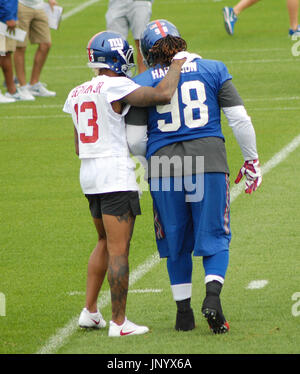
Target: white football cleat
{"x":91,"y":320}
{"x":127,"y":328}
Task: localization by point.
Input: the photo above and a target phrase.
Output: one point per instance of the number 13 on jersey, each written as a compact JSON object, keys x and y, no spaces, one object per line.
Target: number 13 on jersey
{"x":89,"y":112}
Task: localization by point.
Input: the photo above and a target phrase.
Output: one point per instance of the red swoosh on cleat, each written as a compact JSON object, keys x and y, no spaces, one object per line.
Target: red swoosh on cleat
{"x":125,"y":333}
{"x":97,"y":323}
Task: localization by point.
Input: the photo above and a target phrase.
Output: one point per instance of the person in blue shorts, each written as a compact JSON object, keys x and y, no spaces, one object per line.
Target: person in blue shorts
{"x":187,"y":167}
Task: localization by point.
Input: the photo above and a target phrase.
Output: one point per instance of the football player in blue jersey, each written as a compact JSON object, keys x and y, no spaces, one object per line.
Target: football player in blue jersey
{"x":187,"y":167}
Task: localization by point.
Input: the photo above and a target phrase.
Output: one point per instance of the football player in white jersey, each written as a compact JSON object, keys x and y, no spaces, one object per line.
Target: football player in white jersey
{"x":107,"y":174}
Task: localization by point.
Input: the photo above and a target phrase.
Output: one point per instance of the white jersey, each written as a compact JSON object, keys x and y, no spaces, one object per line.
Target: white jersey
{"x":106,"y":165}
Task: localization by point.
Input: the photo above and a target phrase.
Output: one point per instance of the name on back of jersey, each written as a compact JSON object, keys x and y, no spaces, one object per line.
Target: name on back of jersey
{"x":87,"y":89}
{"x":159,"y":73}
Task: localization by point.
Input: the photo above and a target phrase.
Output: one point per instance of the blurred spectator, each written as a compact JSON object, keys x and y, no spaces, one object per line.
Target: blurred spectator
{"x":293,"y":10}
{"x":125,"y":15}
{"x":8,"y":15}
{"x":231,"y":15}
{"x":33,"y":19}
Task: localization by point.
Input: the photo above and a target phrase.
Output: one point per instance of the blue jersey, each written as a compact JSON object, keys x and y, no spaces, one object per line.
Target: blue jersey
{"x":194,"y":111}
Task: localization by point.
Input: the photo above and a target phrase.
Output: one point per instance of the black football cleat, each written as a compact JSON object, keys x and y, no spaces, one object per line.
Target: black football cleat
{"x":212,"y":309}
{"x":185,"y":321}
{"x":216,"y":321}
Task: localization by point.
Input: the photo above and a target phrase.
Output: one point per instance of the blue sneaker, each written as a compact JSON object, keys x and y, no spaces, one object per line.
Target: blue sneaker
{"x":229,"y":19}
{"x":294,"y":32}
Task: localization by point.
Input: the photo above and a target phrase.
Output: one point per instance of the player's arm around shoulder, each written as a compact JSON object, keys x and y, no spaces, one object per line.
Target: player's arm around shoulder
{"x":162,"y":93}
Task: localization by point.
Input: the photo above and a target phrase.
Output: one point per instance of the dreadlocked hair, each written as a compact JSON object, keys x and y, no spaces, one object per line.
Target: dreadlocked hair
{"x":166,"y":48}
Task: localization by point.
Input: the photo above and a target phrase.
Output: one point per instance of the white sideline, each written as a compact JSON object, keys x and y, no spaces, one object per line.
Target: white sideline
{"x":269,"y":165}
{"x":58,"y":340}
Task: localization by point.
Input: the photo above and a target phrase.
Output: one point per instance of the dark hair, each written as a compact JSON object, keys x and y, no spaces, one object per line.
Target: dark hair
{"x":166,"y":48}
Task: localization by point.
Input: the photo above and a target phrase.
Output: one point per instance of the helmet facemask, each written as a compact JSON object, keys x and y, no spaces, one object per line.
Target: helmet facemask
{"x":129,"y":68}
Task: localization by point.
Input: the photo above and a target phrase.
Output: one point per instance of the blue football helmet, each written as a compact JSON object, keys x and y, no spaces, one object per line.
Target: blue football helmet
{"x":154,"y":31}
{"x":111,"y":51}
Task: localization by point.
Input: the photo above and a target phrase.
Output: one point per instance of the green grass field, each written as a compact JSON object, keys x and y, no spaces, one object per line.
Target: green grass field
{"x":46,"y":233}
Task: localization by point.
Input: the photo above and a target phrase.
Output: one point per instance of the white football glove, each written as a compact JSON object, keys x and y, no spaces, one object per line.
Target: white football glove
{"x":184,"y":54}
{"x":252,"y":172}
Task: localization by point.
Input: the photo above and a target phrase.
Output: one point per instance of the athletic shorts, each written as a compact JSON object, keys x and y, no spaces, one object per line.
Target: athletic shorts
{"x":35,"y":23}
{"x":114,"y":203}
{"x":123,"y":16}
{"x":183,"y":224}
{"x":9,"y":45}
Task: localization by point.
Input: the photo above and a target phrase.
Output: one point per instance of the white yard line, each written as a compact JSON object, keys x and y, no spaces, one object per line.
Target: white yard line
{"x":36,"y":117}
{"x":59,"y":339}
{"x":146,"y":290}
{"x":261,"y":61}
{"x":53,"y":116}
{"x":250,"y":99}
{"x":280,"y":98}
{"x":272,"y":109}
{"x":257,"y":284}
{"x":256,"y":61}
{"x":203,"y":52}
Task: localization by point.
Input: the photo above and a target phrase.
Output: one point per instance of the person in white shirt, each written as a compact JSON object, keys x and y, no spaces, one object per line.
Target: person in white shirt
{"x":134,"y":15}
{"x":107,"y":174}
{"x":33,"y":20}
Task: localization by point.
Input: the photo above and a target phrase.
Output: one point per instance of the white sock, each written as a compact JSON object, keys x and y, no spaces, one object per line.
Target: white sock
{"x":212,"y":277}
{"x":181,"y":291}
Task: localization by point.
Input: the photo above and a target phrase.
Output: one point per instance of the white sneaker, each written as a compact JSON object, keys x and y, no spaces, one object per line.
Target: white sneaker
{"x":20,"y":95}
{"x":5,"y":100}
{"x":94,"y":320}
{"x":39,"y":89}
{"x":127,"y":328}
{"x":25,"y":92}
